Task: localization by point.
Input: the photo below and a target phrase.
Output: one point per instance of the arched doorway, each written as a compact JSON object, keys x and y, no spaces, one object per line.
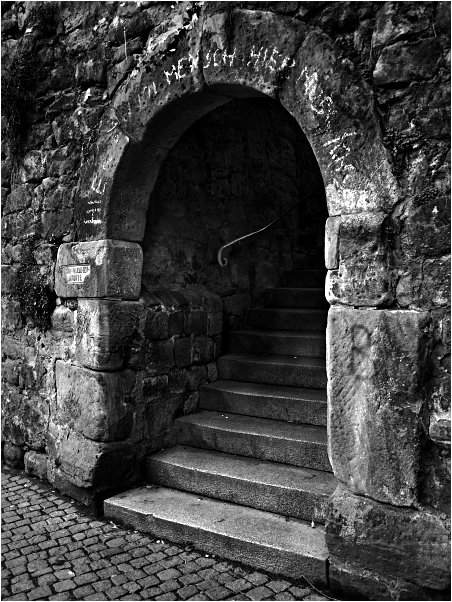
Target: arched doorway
{"x":248,"y":399}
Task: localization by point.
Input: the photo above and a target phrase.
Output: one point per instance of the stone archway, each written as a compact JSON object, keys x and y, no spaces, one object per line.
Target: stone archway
{"x":255,"y":54}
{"x":182,"y":75}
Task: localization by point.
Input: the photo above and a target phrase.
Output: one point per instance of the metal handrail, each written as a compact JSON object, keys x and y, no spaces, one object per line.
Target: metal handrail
{"x":224,"y":262}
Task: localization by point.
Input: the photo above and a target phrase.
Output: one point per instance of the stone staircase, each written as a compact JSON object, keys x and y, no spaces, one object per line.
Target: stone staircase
{"x":250,"y":476}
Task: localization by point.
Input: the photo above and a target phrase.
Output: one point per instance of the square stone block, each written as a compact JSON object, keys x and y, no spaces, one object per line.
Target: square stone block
{"x":101,"y":268}
{"x":86,"y":463}
{"x":104,"y":331}
{"x":376,"y":366}
{"x":363,"y":277}
{"x":98,"y":405}
{"x":403,"y":543}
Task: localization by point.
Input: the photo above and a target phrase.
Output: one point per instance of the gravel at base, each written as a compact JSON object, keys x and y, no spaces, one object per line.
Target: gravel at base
{"x":53,"y":549}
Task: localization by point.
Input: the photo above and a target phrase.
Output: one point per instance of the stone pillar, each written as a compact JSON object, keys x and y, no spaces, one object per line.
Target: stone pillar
{"x":92,"y":419}
{"x":383,"y":543}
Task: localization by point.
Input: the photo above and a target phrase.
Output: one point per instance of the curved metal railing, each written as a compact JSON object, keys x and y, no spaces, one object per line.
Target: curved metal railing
{"x":224,"y":262}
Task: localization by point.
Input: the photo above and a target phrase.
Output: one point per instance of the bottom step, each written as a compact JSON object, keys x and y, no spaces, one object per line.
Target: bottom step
{"x":260,"y":539}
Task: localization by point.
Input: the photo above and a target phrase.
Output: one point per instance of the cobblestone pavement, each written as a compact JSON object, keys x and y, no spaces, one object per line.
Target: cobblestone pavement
{"x":52,"y":549}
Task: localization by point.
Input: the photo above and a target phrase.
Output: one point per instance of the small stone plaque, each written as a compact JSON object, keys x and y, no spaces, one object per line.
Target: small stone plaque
{"x":76,"y":274}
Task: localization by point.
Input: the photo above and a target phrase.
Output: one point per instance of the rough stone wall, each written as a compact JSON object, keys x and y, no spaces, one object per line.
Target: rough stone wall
{"x":370,"y":84}
{"x":233,"y":172}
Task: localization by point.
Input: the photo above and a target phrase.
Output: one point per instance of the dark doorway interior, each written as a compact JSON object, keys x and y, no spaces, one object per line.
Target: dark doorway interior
{"x":232,"y":172}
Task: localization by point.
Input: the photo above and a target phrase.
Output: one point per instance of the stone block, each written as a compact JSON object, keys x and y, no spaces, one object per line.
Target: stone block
{"x":20,"y":198}
{"x":376,"y":369}
{"x":25,"y":418}
{"x":337,"y":117}
{"x":160,"y":356}
{"x":104,"y":331}
{"x":363,"y":277}
{"x":393,"y":23}
{"x":86,"y":463}
{"x":197,"y":376}
{"x":33,"y":167}
{"x":256,"y":50}
{"x":196,"y":322}
{"x":425,"y":284}
{"x":11,"y":316}
{"x":176,"y":321}
{"x":10,"y":371}
{"x":350,"y":580}
{"x":13,"y":455}
{"x":332,"y":242}
{"x":211,"y":302}
{"x":158,"y":417}
{"x":403,"y":63}
{"x":155,"y":388}
{"x":56,"y":224}
{"x":179,"y":380}
{"x":183,"y":352}
{"x":98,"y":405}
{"x":9,"y":279}
{"x":203,"y":350}
{"x":191,"y":403}
{"x":102,"y":268}
{"x":36,"y":464}
{"x":156,"y":325}
{"x":212,"y":372}
{"x":406,"y":543}
{"x":215,"y":323}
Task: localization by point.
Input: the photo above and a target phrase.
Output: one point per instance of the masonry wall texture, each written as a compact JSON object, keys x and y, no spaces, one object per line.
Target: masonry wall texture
{"x":114,"y":126}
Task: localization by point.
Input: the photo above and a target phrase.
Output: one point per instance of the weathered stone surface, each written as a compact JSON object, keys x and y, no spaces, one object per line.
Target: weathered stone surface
{"x":402,"y":63}
{"x":425,"y":284}
{"x":158,"y":417}
{"x":36,"y":464}
{"x":337,"y":116}
{"x":375,"y":364}
{"x":13,"y":455}
{"x":98,"y":405}
{"x":20,"y":198}
{"x":29,"y":414}
{"x":183,"y":352}
{"x":350,"y":580}
{"x":425,"y":230}
{"x":88,"y":463}
{"x":112,"y":269}
{"x":363,"y":277}
{"x":332,"y":242}
{"x":363,"y":531}
{"x":135,"y":140}
{"x":104,"y":331}
{"x":33,"y":168}
{"x":395,"y":21}
{"x":256,"y":51}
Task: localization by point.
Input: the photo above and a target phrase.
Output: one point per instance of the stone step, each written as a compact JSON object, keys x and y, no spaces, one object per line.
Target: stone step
{"x":287,"y":319}
{"x":290,"y":404}
{"x":295,"y":297}
{"x":305,"y":278}
{"x":274,"y":440}
{"x":278,"y":342}
{"x":260,"y":539}
{"x":298,"y":492}
{"x":274,"y":370}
